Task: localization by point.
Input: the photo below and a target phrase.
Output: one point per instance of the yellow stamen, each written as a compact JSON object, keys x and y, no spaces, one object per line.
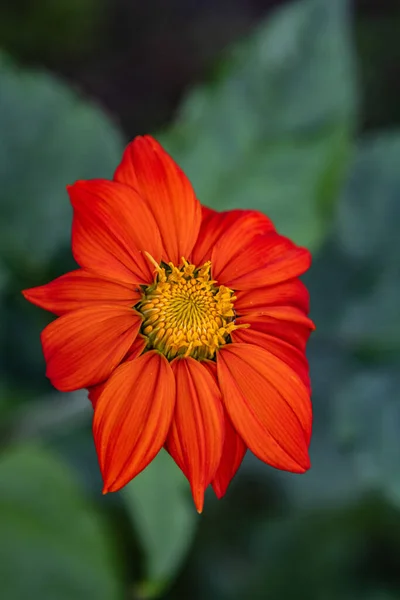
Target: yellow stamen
{"x":185,"y":313}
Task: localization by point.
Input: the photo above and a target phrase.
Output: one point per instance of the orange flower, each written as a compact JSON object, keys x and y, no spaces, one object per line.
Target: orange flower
{"x":188,"y":325}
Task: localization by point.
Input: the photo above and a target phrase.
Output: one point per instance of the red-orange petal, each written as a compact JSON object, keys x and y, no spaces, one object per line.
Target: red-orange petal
{"x":284,"y":322}
{"x":82,"y":348}
{"x":196,"y":437}
{"x":95,"y":392}
{"x":266,"y":259}
{"x":268,"y":405}
{"x":132,"y":417}
{"x":148,"y":168}
{"x":232,"y":455}
{"x":259,"y":334}
{"x":234,"y":447}
{"x":214,"y":225}
{"x":111,"y":229}
{"x":211,"y":367}
{"x":78,"y":289}
{"x":134,"y":351}
{"x":206,"y":211}
{"x":290,"y":293}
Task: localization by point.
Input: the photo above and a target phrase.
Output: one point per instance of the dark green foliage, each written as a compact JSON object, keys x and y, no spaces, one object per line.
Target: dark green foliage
{"x":275,"y":131}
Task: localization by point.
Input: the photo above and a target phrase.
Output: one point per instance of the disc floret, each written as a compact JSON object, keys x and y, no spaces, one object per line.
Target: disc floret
{"x":185,"y":312}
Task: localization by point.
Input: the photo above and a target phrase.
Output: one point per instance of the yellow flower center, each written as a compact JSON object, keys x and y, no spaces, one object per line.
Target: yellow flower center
{"x":185,"y":313}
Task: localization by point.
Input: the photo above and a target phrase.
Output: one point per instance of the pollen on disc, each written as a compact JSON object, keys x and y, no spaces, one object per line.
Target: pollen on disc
{"x":185,"y":313}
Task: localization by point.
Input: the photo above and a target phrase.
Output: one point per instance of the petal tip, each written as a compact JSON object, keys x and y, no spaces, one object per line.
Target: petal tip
{"x":304,"y":465}
{"x":113,"y":486}
{"x":218,"y":490}
{"x":108,"y":486}
{"x":300,"y":461}
{"x":71,"y":189}
{"x":198,"y":498}
{"x":34,"y":295}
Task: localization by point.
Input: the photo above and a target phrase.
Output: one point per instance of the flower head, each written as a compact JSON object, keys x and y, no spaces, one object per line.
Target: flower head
{"x":187,"y":325}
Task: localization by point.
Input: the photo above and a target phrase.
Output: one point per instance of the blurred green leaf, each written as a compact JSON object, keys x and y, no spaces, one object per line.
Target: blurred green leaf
{"x":20,"y":348}
{"x":49,"y":138}
{"x":165,"y":519}
{"x":52,"y":544}
{"x":336,"y":541}
{"x":4,"y":275}
{"x":366,"y":413}
{"x":371,"y":323}
{"x":368,"y":231}
{"x":369,"y":210}
{"x":338,"y":551}
{"x":54,"y":414}
{"x":331,"y":478}
{"x":333,"y":282}
{"x":274,"y":133}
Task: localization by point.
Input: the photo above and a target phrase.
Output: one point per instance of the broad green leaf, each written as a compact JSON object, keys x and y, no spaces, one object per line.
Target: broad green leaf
{"x":318,"y":554}
{"x":322,"y":554}
{"x":49,"y":138}
{"x":164,"y":518}
{"x":369,"y":210}
{"x":368,"y":231}
{"x":366,"y":417}
{"x":331,"y":477}
{"x":4,"y":276}
{"x":52,"y":543}
{"x":371,"y":322}
{"x":333,"y":282}
{"x":49,"y":415}
{"x":274,"y":132}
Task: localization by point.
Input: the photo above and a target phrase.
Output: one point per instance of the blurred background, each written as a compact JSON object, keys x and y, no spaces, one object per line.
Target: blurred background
{"x":292,"y":108}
